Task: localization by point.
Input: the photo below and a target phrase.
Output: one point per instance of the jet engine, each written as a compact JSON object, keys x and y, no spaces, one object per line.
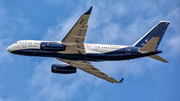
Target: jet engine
{"x":51,"y":46}
{"x":63,"y":68}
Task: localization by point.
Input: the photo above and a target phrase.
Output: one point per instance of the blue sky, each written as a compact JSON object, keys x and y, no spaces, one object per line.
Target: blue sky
{"x":111,"y":22}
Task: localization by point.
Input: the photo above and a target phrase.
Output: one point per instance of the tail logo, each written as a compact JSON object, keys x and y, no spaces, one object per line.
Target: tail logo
{"x":147,"y":40}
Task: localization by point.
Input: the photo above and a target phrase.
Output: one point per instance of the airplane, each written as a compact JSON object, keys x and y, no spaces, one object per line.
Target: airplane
{"x":76,"y":54}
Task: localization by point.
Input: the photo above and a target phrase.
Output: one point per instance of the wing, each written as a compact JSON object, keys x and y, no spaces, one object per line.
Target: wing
{"x":74,"y":40}
{"x":88,"y":67}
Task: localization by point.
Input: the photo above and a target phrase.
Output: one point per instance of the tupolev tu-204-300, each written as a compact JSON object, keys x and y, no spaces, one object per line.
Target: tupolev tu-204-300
{"x":76,"y":54}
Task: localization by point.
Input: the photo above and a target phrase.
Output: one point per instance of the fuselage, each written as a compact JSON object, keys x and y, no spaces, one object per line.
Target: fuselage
{"x":94,"y":52}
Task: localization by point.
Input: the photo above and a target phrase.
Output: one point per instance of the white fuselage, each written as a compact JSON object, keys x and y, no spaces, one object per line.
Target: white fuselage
{"x":89,"y":48}
{"x":93,"y":52}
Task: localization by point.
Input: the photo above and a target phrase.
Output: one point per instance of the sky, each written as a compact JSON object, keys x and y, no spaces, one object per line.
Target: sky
{"x":119,"y":22}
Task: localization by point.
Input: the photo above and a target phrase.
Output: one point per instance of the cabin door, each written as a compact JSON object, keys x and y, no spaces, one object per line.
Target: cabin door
{"x":24,"y":44}
{"x":128,"y":50}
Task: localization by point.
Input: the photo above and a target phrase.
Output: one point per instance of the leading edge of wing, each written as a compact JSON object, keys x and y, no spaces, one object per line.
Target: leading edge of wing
{"x":81,"y":24}
{"x":89,"y":68}
{"x":74,"y":40}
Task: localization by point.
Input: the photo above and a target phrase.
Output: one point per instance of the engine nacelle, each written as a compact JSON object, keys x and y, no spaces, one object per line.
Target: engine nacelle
{"x":51,"y":46}
{"x":63,"y":68}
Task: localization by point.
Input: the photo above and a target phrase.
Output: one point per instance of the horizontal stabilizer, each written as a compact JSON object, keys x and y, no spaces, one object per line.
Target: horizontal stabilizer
{"x":156,"y":57}
{"x":150,"y":45}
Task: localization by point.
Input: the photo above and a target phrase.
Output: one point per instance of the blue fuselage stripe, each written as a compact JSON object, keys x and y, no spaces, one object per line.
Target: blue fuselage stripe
{"x":116,"y":55}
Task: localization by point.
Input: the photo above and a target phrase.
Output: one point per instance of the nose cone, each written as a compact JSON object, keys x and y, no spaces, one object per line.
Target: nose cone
{"x":9,"y":49}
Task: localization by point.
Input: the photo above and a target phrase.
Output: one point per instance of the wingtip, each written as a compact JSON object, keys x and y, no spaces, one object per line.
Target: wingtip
{"x":89,"y":11}
{"x":121,"y":80}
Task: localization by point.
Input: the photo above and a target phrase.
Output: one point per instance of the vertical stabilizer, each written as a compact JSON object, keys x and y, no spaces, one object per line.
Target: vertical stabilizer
{"x":157,"y":31}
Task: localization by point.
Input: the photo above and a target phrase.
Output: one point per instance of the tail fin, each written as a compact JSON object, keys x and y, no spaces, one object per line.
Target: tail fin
{"x":157,"y":31}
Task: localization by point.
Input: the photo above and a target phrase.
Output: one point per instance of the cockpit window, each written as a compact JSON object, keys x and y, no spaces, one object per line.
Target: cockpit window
{"x":16,"y":43}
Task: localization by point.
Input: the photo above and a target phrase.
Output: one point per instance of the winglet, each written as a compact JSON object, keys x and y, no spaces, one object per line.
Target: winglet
{"x":89,"y":11}
{"x":121,"y":80}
